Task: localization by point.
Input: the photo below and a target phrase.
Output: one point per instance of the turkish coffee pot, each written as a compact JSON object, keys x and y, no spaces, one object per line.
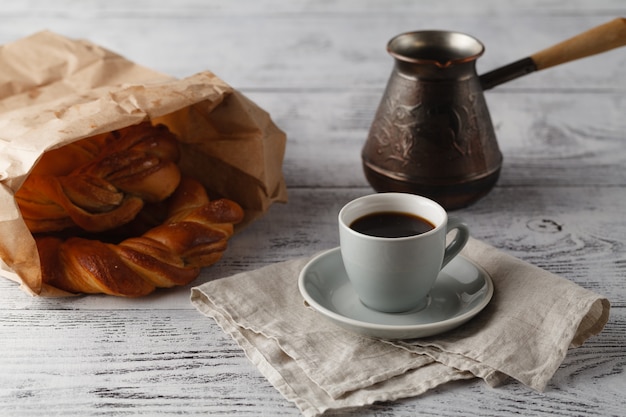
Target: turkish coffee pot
{"x":432,"y":134}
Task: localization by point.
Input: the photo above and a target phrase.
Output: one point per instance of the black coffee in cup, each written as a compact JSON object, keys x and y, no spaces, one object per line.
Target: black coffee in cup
{"x":391,"y":224}
{"x":395,"y":272}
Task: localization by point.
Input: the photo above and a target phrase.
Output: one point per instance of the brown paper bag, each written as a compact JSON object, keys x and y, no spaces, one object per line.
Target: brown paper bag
{"x":54,"y":91}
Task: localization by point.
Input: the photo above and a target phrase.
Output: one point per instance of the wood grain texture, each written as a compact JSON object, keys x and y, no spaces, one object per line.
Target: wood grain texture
{"x":320,"y":68}
{"x":144,"y":362}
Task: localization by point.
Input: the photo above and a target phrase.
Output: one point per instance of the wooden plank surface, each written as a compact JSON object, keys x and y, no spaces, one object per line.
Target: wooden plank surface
{"x":320,"y":68}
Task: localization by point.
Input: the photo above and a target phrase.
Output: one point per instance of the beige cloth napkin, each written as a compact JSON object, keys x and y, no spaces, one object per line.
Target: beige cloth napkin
{"x":524,"y":333}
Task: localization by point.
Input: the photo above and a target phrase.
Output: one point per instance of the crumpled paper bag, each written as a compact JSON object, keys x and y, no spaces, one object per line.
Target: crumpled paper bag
{"x":54,"y":91}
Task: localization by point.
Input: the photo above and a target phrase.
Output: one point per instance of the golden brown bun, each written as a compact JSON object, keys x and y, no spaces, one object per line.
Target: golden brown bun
{"x":102,"y":182}
{"x":112,"y":214}
{"x":194,"y":235}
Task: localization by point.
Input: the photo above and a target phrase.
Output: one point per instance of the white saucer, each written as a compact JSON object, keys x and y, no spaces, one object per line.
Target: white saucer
{"x":462,"y":290}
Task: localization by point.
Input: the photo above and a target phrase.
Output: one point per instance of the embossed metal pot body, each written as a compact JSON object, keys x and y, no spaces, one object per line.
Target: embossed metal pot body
{"x":432,"y":133}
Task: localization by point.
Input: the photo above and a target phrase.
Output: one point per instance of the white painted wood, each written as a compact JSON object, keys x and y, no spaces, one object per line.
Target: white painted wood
{"x":319,"y":68}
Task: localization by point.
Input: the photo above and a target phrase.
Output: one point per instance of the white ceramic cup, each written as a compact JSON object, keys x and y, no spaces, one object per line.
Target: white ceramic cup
{"x":396,"y":274}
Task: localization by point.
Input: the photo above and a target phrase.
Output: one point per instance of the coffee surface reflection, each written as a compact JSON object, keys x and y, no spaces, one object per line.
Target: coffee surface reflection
{"x":391,"y":224}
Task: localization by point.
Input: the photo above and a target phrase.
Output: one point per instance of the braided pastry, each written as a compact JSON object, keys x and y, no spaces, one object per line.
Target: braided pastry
{"x":100,"y":183}
{"x":194,"y":235}
{"x":123,"y":187}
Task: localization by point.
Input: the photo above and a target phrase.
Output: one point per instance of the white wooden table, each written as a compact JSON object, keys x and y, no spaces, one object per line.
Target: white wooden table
{"x":320,"y":68}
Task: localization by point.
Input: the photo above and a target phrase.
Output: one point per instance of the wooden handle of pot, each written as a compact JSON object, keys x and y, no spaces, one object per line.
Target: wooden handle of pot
{"x":594,"y":41}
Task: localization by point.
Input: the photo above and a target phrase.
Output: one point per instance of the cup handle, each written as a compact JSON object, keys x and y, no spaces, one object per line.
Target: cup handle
{"x":459,"y":241}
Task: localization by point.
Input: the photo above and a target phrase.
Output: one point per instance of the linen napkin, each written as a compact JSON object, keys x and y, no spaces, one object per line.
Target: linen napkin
{"x":524,"y":333}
